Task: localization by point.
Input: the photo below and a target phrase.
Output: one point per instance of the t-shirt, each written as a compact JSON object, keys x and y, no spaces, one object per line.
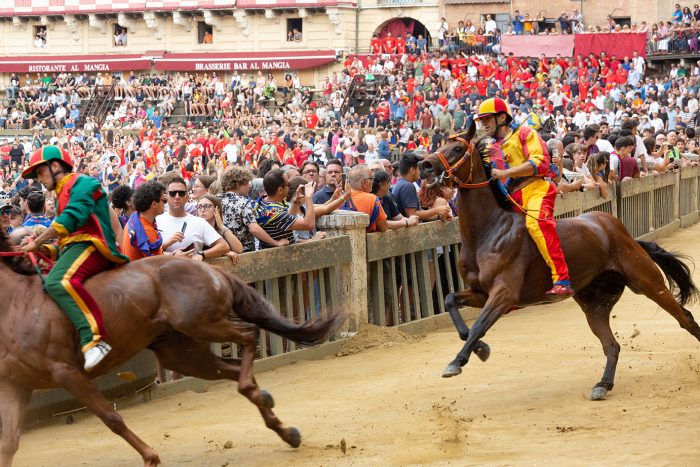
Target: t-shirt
{"x":323,"y":195}
{"x":133,"y":252}
{"x":628,"y":167}
{"x":33,"y":220}
{"x":405,"y":195}
{"x":197,"y":231}
{"x":389,"y":206}
{"x":365,"y":202}
{"x":274,"y":217}
{"x":237,"y":213}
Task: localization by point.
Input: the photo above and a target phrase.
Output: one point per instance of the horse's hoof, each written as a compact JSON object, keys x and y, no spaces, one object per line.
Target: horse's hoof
{"x":451,"y":370}
{"x":599,"y":394}
{"x":483,"y":351}
{"x":294,"y":437}
{"x":266,"y":400}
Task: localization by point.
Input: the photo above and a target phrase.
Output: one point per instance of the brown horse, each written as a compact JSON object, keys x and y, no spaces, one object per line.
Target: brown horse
{"x":173,"y":306}
{"x":502,"y":268}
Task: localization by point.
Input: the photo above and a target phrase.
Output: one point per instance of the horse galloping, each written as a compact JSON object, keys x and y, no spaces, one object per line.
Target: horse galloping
{"x":502,"y":268}
{"x":175,"y":307}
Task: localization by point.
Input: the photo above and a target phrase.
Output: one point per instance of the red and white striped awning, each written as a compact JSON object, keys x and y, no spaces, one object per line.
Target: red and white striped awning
{"x":73,"y":63}
{"x":245,"y":61}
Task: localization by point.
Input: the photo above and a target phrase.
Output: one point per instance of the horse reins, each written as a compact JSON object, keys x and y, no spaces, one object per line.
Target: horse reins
{"x":450,"y":170}
{"x":451,"y":175}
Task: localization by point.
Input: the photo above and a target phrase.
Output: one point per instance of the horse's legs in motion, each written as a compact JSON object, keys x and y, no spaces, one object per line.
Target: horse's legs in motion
{"x":245,"y":334}
{"x":193,"y":358}
{"x":475,"y":300}
{"x":597,"y":300}
{"x":644,"y":277}
{"x":78,"y":383}
{"x":501,"y":299}
{"x":13,"y":407}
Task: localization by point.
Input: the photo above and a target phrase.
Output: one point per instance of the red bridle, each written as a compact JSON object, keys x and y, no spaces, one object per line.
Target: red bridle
{"x":450,"y":170}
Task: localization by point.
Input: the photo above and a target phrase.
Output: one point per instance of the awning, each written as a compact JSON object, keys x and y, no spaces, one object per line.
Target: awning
{"x":73,"y":63}
{"x":245,"y":61}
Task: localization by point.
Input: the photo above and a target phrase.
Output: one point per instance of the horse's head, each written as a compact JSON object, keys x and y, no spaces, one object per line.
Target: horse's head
{"x":458,"y":162}
{"x":8,"y":243}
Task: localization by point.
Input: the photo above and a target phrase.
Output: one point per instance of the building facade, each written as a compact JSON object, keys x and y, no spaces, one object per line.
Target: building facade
{"x":197,"y":35}
{"x":595,"y":12}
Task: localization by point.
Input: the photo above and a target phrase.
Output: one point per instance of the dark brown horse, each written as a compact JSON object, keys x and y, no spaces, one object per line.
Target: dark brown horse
{"x":173,"y":306}
{"x":503,"y":269}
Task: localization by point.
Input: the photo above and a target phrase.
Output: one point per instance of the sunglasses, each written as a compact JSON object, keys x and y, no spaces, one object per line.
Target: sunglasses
{"x":204,"y":207}
{"x":180,"y":193}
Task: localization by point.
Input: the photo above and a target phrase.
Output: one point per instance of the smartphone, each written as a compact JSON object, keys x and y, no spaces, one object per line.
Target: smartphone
{"x":184,"y":227}
{"x":344,"y":180}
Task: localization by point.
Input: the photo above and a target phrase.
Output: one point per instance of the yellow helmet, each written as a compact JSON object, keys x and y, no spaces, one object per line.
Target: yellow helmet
{"x":494,"y":106}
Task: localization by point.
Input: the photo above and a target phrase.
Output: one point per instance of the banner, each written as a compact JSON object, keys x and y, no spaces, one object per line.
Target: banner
{"x":534,"y":46}
{"x":73,"y":63}
{"x":245,"y":61}
{"x":620,"y":44}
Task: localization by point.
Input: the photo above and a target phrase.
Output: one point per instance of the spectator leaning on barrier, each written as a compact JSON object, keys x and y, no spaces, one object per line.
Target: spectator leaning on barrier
{"x":187,"y":234}
{"x":362,"y":200}
{"x":140,"y":237}
{"x":406,"y":195}
{"x":628,"y":168}
{"x":272,"y":211}
{"x":381,"y":185}
{"x":237,"y":210}
{"x":334,"y":179}
{"x":209,"y":209}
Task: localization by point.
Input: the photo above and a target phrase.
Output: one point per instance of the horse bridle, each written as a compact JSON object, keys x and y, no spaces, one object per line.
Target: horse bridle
{"x":450,"y":170}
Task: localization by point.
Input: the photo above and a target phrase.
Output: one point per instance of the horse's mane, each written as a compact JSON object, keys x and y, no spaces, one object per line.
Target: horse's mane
{"x":17,"y":264}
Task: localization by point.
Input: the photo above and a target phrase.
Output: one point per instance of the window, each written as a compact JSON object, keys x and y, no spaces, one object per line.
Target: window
{"x":294,"y":30}
{"x":623,"y":21}
{"x":120,"y":36}
{"x":40,"y":37}
{"x":492,"y":21}
{"x":205,"y":33}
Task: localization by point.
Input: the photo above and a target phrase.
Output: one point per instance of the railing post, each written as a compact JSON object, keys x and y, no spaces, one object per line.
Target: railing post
{"x":352,"y":277}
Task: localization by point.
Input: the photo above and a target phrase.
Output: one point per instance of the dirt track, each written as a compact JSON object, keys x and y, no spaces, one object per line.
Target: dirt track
{"x":527,"y":405}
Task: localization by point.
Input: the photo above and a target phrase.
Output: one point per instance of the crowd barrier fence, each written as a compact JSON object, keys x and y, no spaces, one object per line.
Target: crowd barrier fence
{"x":397,"y":276}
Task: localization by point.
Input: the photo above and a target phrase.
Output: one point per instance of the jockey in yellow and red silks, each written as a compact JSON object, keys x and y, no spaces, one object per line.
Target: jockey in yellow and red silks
{"x":520,"y":159}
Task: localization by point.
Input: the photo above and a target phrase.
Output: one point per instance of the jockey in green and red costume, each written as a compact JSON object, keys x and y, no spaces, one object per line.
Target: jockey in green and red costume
{"x":86,"y":244}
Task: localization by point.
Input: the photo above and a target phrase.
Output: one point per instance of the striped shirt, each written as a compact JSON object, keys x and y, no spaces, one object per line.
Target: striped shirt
{"x":275,"y":219}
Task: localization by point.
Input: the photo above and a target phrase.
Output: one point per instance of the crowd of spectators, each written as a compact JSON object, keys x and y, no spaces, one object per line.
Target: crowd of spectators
{"x":678,"y":35}
{"x":257,"y":162}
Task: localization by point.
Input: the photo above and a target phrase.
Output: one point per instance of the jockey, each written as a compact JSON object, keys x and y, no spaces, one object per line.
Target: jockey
{"x":527,"y":165}
{"x":86,"y":241}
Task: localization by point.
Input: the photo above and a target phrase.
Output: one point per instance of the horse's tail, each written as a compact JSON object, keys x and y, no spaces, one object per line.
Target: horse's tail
{"x":677,"y":272}
{"x":249,"y":306}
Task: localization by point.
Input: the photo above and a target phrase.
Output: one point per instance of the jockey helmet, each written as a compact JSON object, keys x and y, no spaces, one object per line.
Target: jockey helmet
{"x":45,"y":155}
{"x":494,"y":106}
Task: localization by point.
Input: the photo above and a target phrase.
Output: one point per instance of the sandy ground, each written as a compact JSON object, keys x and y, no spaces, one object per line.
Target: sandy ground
{"x":527,"y":405}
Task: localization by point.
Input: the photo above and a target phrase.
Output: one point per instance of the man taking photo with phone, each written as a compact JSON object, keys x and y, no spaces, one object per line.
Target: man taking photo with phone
{"x":272,"y":211}
{"x":334,"y":174}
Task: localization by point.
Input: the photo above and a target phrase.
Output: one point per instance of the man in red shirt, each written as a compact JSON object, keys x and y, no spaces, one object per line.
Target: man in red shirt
{"x":620,"y":74}
{"x":400,"y":45}
{"x":481,"y":86}
{"x":375,"y":45}
{"x":389,"y":44}
{"x":311,"y":119}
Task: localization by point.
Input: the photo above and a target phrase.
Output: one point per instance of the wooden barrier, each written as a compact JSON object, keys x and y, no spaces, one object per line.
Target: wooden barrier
{"x":397,"y":276}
